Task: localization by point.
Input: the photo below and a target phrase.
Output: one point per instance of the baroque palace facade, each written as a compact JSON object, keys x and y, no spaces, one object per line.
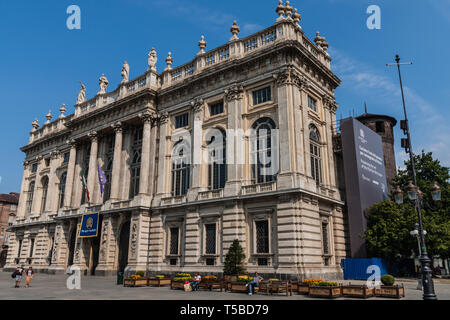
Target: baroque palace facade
{"x":162,"y":212}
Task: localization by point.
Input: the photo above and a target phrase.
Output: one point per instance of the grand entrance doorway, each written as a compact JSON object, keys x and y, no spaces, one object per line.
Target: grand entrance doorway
{"x":94,"y":244}
{"x":124,"y":240}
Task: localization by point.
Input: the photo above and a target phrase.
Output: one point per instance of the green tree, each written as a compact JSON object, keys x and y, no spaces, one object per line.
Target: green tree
{"x":389,"y":224}
{"x":234,"y":259}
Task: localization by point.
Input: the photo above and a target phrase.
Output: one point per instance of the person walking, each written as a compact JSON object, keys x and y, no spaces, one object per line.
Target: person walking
{"x":195,"y":283}
{"x":18,"y":276}
{"x":29,"y":276}
{"x":255,"y":283}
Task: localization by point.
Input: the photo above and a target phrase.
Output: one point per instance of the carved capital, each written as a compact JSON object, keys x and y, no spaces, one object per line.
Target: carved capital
{"x":147,"y":117}
{"x":198,"y":105}
{"x":26,"y":163}
{"x":329,"y":103}
{"x":163,"y":117}
{"x":55,"y":154}
{"x":93,"y":135}
{"x":39,"y":158}
{"x":235,"y":92}
{"x":117,"y":127}
{"x":72,"y":142}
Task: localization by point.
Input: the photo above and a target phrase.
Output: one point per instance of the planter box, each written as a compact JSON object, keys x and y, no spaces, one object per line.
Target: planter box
{"x":177,"y":285}
{"x":135,"y":282}
{"x":157,"y":282}
{"x":357,"y":291}
{"x":303,"y":288}
{"x":325,"y":292}
{"x":294,"y":286}
{"x":281,"y":287}
{"x":390,"y":291}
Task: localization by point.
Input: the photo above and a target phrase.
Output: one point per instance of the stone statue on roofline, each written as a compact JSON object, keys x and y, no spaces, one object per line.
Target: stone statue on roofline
{"x":125,"y":72}
{"x":152,"y":59}
{"x":103,"y":83}
{"x":82,"y":94}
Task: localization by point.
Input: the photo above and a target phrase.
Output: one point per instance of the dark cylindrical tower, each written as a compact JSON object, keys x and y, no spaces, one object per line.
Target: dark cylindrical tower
{"x":384,"y":126}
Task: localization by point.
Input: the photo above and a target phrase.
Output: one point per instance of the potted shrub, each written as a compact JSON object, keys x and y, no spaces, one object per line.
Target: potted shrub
{"x":180,"y":280}
{"x":136,"y":280}
{"x":234,"y":262}
{"x":388,"y":289}
{"x":325,"y":289}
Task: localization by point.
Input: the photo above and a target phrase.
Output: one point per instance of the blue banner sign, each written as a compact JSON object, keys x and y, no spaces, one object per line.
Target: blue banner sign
{"x":89,"y":225}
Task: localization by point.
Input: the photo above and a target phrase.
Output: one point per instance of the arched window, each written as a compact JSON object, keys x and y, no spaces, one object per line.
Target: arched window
{"x":62,"y":189}
{"x":44,"y":193}
{"x":30,"y":197}
{"x":264,"y":151}
{"x":181,"y":169}
{"x":135,"y":167}
{"x":315,"y":153}
{"x":217,"y":163}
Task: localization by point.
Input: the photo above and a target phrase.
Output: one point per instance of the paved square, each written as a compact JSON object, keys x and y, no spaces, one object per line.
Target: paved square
{"x":53,"y":287}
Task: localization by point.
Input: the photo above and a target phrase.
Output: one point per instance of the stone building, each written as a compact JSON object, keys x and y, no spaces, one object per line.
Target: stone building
{"x":8,"y":210}
{"x":270,"y":99}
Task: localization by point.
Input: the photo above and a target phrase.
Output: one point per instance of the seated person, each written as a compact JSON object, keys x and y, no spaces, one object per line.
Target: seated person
{"x":255,"y":283}
{"x":194,"y":284}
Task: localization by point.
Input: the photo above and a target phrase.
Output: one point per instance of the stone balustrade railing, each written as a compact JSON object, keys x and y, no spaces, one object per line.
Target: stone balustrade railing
{"x":211,"y":194}
{"x":173,"y":200}
{"x":259,"y":188}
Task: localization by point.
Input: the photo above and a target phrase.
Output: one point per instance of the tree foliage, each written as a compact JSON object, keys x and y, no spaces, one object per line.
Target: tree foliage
{"x":388,"y":224}
{"x":234,"y":259}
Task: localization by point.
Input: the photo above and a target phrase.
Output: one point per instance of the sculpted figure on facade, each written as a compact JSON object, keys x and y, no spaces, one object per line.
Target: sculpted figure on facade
{"x":103,"y":83}
{"x":152,"y":59}
{"x":125,"y":72}
{"x":82,"y":94}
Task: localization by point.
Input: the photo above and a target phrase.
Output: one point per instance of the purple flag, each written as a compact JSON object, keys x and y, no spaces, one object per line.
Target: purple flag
{"x":101,"y":179}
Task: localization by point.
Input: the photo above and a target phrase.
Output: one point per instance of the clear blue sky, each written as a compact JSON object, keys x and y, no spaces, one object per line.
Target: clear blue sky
{"x":41,"y":61}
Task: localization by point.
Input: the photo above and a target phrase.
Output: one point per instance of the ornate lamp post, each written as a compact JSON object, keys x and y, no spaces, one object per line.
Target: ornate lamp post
{"x":428,"y":287}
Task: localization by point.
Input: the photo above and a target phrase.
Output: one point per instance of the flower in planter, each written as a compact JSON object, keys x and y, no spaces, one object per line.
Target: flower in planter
{"x":159,"y":276}
{"x":244,"y":279}
{"x":312,"y":282}
{"x":274,"y":279}
{"x":210,"y":278}
{"x":326,"y":284}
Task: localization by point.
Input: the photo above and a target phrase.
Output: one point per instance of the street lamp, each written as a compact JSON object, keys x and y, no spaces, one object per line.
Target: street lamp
{"x":415,"y":233}
{"x":436,"y":192}
{"x":427,"y":280}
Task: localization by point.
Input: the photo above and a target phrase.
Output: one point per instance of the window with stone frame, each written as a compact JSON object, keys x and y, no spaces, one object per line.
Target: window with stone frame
{"x":31,"y":247}
{"x":62,"y":189}
{"x":44,"y":193}
{"x":312,"y":103}
{"x":182,"y":120}
{"x":262,"y":236}
{"x":108,"y":164}
{"x":216,"y":108}
{"x":217,"y":163}
{"x":19,"y":249}
{"x":210,"y":238}
{"x":264,"y":160}
{"x":34,"y":167}
{"x":135,"y":166}
{"x":325,"y":240}
{"x":315,"y":154}
{"x":181,"y":169}
{"x":262,"y":95}
{"x":174,"y":241}
{"x":30,"y":195}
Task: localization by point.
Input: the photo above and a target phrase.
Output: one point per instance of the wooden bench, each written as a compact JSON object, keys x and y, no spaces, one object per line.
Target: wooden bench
{"x":281,"y":287}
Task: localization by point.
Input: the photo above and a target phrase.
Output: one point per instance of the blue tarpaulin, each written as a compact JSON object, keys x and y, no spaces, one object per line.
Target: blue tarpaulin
{"x":356,"y":269}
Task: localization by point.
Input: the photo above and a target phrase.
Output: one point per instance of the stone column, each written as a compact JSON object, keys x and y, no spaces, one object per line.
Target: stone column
{"x":163,"y":175}
{"x":92,"y":174}
{"x":235,"y":143}
{"x":23,"y":188}
{"x":115,"y":176}
{"x":146,"y":118}
{"x":196,"y":145}
{"x":37,"y":196}
{"x":53,"y":183}
{"x":70,"y":174}
{"x":286,"y":129}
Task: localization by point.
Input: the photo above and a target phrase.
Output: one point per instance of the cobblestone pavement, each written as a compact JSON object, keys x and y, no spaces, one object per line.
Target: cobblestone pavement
{"x":53,"y":287}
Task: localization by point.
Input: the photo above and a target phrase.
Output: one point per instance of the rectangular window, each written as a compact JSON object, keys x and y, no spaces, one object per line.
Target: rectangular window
{"x":261,"y":96}
{"x":181,"y":120}
{"x":262,"y":236}
{"x":379,"y":126}
{"x":216,"y":108}
{"x":210,"y":239}
{"x":326,"y":249}
{"x":47,"y":162}
{"x":173,"y":241}
{"x":66,"y":157}
{"x":312,"y":103}
{"x":20,"y":248}
{"x":31,"y":247}
{"x":34,"y":168}
{"x":263,"y":262}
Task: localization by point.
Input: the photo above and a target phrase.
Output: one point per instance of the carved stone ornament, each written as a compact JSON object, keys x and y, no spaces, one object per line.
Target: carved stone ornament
{"x":163,"y":117}
{"x":72,"y":142}
{"x":235,"y":92}
{"x":133,"y":239}
{"x":198,"y":105}
{"x":125,"y":72}
{"x":147,"y":116}
{"x":82,"y":94}
{"x":103,"y":83}
{"x":93,"y":135}
{"x":152,"y":59}
{"x":117,"y":127}
{"x":55,"y":154}
{"x":330,"y":103}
